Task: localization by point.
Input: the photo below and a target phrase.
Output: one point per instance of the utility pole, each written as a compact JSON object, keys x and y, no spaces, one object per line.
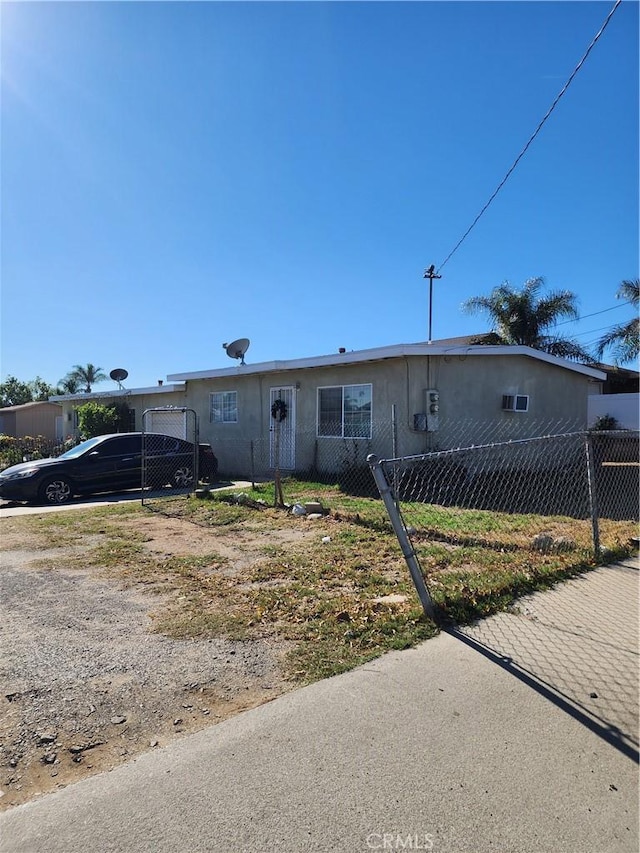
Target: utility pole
{"x":430,"y":274}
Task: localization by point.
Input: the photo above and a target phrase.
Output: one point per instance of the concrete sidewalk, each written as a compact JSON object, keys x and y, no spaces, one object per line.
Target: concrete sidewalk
{"x":458,"y":745}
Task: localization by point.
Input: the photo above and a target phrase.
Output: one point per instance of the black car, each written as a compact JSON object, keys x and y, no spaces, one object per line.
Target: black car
{"x":109,"y":463}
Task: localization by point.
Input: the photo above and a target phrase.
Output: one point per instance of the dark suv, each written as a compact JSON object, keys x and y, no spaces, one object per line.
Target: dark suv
{"x":109,"y":463}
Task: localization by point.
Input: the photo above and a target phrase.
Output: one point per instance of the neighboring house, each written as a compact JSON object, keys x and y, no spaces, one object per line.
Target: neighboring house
{"x":138,"y":400}
{"x":32,"y":419}
{"x":620,"y":397}
{"x":397,"y":400}
{"x":620,"y":380}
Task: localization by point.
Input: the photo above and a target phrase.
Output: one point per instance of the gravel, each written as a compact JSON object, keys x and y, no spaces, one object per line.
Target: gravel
{"x":85,"y":685}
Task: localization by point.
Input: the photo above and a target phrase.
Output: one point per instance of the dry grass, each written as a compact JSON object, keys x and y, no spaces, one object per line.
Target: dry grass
{"x":335,"y":589}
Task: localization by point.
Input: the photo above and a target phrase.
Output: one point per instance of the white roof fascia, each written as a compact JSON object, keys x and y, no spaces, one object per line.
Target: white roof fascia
{"x":119,"y":392}
{"x":375,"y":354}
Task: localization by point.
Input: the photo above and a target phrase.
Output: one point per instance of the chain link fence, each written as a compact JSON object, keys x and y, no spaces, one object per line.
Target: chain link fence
{"x":547,"y":494}
{"x":579,"y":474}
{"x":469,"y":462}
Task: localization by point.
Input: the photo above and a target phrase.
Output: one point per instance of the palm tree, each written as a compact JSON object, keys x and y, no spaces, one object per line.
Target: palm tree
{"x":69,"y":385}
{"x":523,"y":318}
{"x":624,"y":339}
{"x":87,"y":375}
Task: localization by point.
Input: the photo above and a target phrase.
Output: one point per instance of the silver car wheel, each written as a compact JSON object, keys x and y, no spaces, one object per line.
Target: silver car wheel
{"x":183,"y":476}
{"x":57,"y":491}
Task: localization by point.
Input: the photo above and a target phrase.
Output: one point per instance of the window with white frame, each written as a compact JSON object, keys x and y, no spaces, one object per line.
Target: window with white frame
{"x":223,"y":407}
{"x":344,"y":411}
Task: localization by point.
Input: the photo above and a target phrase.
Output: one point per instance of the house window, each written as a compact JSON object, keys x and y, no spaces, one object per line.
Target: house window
{"x":515,"y":402}
{"x":344,"y":411}
{"x":223,"y":407}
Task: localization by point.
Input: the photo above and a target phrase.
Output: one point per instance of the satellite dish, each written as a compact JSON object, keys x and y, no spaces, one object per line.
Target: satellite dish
{"x":237,"y":349}
{"x":118,"y":374}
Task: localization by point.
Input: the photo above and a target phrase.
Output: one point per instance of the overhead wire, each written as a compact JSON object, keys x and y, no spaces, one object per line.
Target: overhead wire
{"x":533,"y":135}
{"x":595,"y":313}
{"x":591,"y":331}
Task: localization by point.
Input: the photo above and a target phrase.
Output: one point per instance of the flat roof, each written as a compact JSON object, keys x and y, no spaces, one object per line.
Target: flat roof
{"x":118,"y":392}
{"x":439,"y":348}
{"x":20,"y":407}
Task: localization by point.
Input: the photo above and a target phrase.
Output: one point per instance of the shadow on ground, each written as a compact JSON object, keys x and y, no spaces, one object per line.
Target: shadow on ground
{"x":577,"y":645}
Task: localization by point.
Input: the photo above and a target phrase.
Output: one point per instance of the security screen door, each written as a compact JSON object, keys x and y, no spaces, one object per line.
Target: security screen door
{"x":282,"y":434}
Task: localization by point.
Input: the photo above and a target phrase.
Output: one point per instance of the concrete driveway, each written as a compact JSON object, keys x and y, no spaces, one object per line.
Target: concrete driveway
{"x":484,"y":740}
{"x":11,"y":508}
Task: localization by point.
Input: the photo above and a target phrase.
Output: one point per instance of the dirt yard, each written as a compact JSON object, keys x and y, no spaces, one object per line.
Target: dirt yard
{"x":86,"y":685}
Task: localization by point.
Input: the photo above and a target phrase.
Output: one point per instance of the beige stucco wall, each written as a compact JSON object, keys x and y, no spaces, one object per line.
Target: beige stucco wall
{"x":470,"y":388}
{"x":32,"y":420}
{"x":138,"y":402}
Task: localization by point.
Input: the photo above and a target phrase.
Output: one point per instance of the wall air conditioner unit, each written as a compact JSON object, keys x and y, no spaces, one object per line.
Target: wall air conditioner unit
{"x":515,"y":403}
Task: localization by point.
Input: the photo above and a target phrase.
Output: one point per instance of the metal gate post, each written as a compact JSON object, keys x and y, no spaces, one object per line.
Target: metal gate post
{"x":394,"y":453}
{"x":410,"y":555}
{"x":253,"y":467}
{"x":593,"y":495}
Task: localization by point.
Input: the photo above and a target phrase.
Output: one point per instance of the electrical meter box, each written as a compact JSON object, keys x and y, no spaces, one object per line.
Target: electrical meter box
{"x":433,"y":410}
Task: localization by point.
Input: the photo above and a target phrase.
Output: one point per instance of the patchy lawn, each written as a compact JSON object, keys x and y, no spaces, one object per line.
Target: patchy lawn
{"x":184,"y":611}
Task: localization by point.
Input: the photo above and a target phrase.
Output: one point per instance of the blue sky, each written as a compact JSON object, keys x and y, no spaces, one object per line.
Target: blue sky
{"x":177,"y":175}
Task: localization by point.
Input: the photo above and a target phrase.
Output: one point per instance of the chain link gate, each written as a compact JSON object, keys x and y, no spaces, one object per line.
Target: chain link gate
{"x":170,"y":453}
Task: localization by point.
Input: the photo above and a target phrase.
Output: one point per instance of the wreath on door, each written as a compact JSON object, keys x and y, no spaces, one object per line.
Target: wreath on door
{"x":279,"y":410}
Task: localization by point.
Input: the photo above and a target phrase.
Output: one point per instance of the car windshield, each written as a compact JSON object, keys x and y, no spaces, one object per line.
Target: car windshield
{"x":79,"y":449}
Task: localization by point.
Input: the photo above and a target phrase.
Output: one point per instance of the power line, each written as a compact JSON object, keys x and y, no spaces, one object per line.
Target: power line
{"x":533,"y":136}
{"x":591,"y":331}
{"x":595,"y":313}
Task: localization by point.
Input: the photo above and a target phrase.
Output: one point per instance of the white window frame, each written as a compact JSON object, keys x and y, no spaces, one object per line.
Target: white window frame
{"x":342,"y":389}
{"x":225,"y":407}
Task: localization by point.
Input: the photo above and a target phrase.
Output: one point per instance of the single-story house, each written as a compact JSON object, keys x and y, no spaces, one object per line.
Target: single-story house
{"x":620,"y":380}
{"x":329,"y":412}
{"x":33,"y":419}
{"x":138,"y":400}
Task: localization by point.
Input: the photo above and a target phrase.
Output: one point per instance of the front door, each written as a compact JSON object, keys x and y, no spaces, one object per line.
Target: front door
{"x":282,"y":429}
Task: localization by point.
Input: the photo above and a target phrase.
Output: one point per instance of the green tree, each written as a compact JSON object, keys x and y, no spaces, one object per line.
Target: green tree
{"x":87,"y":375}
{"x":13,"y":392}
{"x":96,"y":419}
{"x":624,"y":339}
{"x":41,"y":390}
{"x":69,"y":384}
{"x":523,"y":317}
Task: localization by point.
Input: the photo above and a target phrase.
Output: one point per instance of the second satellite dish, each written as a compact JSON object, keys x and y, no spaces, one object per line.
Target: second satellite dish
{"x":237,"y":349}
{"x":119,"y":374}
